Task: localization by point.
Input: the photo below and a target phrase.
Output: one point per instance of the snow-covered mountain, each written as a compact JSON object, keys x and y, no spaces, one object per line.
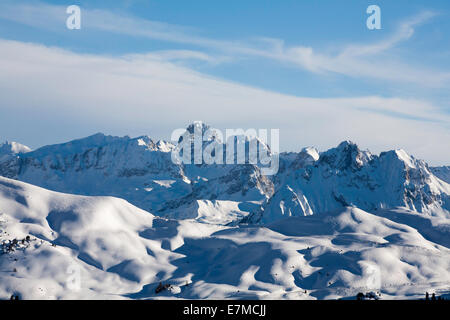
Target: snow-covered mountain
{"x":8,"y":149}
{"x":12,"y":148}
{"x":61,"y":246}
{"x":141,"y":171}
{"x":347,"y":176}
{"x":123,"y":218}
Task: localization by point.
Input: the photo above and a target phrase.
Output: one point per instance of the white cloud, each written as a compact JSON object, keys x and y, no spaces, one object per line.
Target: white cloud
{"x":371,"y":61}
{"x":140,"y":94}
{"x":404,"y":31}
{"x":183,"y":55}
{"x":362,"y":61}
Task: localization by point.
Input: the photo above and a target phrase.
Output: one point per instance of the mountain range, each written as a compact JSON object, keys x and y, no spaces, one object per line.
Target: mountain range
{"x":123,"y":213}
{"x":141,"y":171}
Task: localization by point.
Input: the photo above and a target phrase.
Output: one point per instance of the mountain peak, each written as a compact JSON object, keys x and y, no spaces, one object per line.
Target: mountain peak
{"x":347,"y":144}
{"x":402,"y":156}
{"x":307,"y":156}
{"x":346,"y":155}
{"x":201,"y":128}
{"x":197,"y":125}
{"x":11,"y":148}
{"x":311,"y":152}
{"x":405,"y":157}
{"x":164,"y":146}
{"x":79,"y":145}
{"x":145,"y":141}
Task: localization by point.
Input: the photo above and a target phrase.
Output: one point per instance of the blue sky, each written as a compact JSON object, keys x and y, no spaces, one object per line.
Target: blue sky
{"x":310,"y":68}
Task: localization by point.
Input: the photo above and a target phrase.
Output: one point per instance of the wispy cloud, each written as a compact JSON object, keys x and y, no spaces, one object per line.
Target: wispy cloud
{"x":404,"y":31}
{"x":365,"y":61}
{"x":184,"y":55}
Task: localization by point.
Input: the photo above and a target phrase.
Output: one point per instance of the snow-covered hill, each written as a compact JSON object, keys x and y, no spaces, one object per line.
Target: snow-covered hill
{"x":52,"y":241}
{"x":141,"y":171}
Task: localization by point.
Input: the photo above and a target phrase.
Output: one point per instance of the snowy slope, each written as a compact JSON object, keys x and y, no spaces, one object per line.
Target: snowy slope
{"x":442,"y":173}
{"x":116,"y":246}
{"x":124,"y":252}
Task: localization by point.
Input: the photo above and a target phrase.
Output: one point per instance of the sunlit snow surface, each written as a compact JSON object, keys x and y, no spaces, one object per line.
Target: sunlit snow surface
{"x":125,"y":252}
